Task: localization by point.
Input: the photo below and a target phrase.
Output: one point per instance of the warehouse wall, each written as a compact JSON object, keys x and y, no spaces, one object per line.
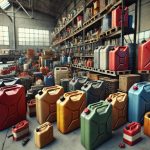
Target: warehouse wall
{"x":40,"y":21}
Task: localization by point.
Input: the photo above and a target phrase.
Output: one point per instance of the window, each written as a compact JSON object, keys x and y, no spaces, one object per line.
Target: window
{"x":33,"y":37}
{"x":4,"y":36}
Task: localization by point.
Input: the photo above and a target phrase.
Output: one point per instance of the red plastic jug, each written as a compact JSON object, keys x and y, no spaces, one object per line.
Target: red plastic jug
{"x":12,"y":105}
{"x":119,"y":58}
{"x":116,"y":17}
{"x":144,"y":56}
{"x":89,"y":63}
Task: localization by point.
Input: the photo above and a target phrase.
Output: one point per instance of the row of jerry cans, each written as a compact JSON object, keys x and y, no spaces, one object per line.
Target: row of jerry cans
{"x":111,"y":58}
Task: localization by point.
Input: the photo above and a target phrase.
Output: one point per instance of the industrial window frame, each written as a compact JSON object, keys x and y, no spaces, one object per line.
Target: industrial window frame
{"x":4,"y":35}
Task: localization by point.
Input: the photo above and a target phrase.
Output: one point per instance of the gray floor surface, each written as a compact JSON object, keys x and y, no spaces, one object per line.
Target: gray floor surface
{"x":69,"y":141}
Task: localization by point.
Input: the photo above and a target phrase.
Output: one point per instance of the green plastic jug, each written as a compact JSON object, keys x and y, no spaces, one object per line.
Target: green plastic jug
{"x":96,"y":124}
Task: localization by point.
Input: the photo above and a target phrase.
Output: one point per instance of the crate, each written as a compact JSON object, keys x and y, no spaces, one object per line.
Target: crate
{"x":126,"y":81}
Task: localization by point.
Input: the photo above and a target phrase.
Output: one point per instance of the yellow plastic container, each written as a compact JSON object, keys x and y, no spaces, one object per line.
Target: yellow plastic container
{"x":69,"y":108}
{"x":46,"y":103}
{"x":43,"y":135}
{"x":119,"y":109}
{"x":147,"y":124}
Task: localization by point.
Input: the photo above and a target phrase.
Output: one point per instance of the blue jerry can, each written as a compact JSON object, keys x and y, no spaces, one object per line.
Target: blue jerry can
{"x":49,"y":80}
{"x":139,"y":101}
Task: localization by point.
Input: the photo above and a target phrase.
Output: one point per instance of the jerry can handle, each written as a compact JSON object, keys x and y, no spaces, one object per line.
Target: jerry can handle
{"x":69,"y":93}
{"x":8,"y":88}
{"x":75,"y":95}
{"x":101,"y":107}
{"x":42,"y":126}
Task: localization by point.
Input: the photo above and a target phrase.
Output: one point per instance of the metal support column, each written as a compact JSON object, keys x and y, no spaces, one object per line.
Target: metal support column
{"x":122,"y":23}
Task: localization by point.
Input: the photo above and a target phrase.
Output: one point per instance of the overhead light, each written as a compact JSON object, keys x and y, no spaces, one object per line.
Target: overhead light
{"x":4,"y":4}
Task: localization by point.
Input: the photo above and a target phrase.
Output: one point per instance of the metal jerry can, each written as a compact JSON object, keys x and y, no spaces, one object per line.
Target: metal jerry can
{"x":96,"y":124}
{"x":69,"y":108}
{"x":95,"y":90}
{"x":97,"y":57}
{"x":20,"y":130}
{"x":119,"y":109}
{"x":76,"y":83}
{"x":46,"y":103}
{"x":144,"y":56}
{"x":139,"y":101}
{"x":12,"y":105}
{"x":43,"y":135}
{"x":119,"y":58}
{"x":104,"y":57}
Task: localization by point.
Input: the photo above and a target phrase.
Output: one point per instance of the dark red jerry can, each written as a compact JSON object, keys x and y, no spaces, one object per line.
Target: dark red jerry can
{"x":119,"y":58}
{"x":144,"y":56}
{"x":12,"y":105}
{"x":117,"y":15}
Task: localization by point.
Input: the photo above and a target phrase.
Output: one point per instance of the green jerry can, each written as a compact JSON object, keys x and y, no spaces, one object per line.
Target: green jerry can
{"x":96,"y":124}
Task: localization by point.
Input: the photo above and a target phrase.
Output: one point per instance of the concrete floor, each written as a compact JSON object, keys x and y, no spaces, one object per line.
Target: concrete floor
{"x":69,"y":141}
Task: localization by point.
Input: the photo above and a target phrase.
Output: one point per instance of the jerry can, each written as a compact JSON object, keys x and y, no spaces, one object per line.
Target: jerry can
{"x":104,"y":57}
{"x":119,"y":109}
{"x":89,"y":63}
{"x":60,"y":73}
{"x":12,"y":105}
{"x":96,"y":124}
{"x":119,"y":58}
{"x":46,"y":103}
{"x":117,"y":17}
{"x":38,"y":75}
{"x":139,"y":101}
{"x":97,"y":57}
{"x":144,"y":56}
{"x":132,"y":133}
{"x":76,"y":83}
{"x":49,"y":80}
{"x":44,"y":70}
{"x":20,"y":130}
{"x":65,"y":84}
{"x":69,"y":108}
{"x":95,"y":90}
{"x":43,"y":135}
{"x":147,"y":124}
{"x":31,"y":107}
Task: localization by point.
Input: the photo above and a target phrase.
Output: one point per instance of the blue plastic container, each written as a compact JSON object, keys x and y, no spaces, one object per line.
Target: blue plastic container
{"x":38,"y":75}
{"x":49,"y":80}
{"x":139,"y":101}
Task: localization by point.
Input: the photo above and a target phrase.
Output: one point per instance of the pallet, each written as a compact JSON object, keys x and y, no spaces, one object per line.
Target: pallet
{"x":91,"y":40}
{"x":118,"y":72}
{"x":144,"y":71}
{"x":77,"y":29}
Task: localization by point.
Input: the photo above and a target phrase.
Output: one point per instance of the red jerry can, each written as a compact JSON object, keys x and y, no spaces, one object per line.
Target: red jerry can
{"x":144,"y":56}
{"x":119,"y":58}
{"x":89,"y":63}
{"x":116,"y":17}
{"x":12,"y":105}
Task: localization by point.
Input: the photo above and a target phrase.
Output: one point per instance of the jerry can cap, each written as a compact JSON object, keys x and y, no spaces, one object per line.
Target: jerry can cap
{"x":37,"y":129}
{"x":62,"y":98}
{"x":85,"y":85}
{"x":135,"y":87}
{"x":40,"y":92}
{"x":86,"y":111}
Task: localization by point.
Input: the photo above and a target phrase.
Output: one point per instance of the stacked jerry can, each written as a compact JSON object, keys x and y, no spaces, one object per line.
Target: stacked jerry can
{"x":119,"y":58}
{"x":96,"y":124}
{"x":119,"y":109}
{"x":60,"y":73}
{"x":139,"y":101}
{"x":144,"y":56}
{"x":12,"y":105}
{"x":104,"y":57}
{"x":76,"y":83}
{"x":46,"y":103}
{"x":95,"y":90}
{"x":69,"y":108}
{"x":97,"y":57}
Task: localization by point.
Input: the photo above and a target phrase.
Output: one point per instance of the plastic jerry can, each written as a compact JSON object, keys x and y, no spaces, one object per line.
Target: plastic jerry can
{"x":95,"y":90}
{"x":31,"y":107}
{"x":119,"y":109}
{"x":132,"y":133}
{"x":20,"y":130}
{"x":104,"y":57}
{"x":144,"y":56}
{"x":147,"y":124}
{"x":76,"y":83}
{"x":119,"y":58}
{"x":69,"y":108}
{"x":46,"y":103}
{"x":96,"y":124}
{"x":117,"y":15}
{"x":89,"y":63}
{"x":49,"y":80}
{"x":43,"y":135}
{"x":139,"y":101}
{"x":65,"y":84}
{"x":12,"y":105}
{"x":60,"y":73}
{"x":97,"y":57}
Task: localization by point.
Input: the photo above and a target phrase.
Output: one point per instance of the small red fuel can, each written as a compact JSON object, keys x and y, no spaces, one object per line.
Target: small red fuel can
{"x":31,"y":105}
